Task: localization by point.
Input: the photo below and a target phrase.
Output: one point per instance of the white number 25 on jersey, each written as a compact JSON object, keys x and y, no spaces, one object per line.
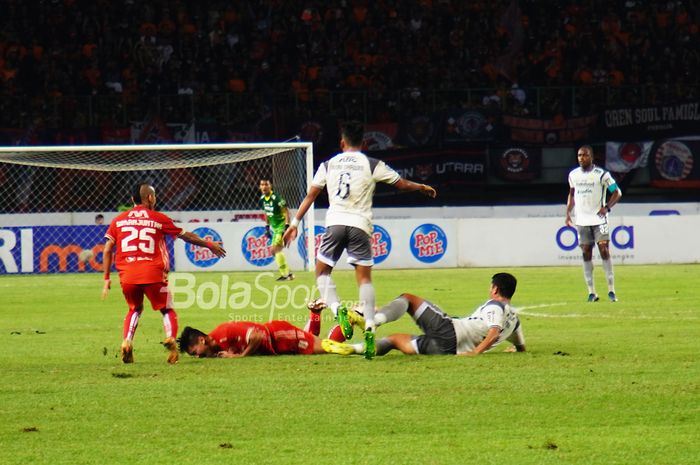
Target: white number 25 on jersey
{"x":143,"y":238}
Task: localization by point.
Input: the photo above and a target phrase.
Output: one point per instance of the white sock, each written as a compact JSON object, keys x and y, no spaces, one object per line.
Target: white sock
{"x":326,"y":287}
{"x":609,"y":275}
{"x":367,"y":300}
{"x":359,"y":348}
{"x":588,"y":275}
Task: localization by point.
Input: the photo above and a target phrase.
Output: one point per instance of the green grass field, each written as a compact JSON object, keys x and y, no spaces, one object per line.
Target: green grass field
{"x":604,"y":383}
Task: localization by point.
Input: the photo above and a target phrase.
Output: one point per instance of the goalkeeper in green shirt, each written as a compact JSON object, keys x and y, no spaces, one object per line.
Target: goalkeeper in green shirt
{"x":277,"y":219}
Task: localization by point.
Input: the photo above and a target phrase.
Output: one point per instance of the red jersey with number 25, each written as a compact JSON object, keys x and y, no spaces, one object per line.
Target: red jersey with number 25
{"x":139,"y":238}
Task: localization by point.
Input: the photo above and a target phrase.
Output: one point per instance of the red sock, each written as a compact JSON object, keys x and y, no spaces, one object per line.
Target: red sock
{"x":313,"y":326}
{"x":169,"y":322}
{"x":336,"y":334}
{"x":131,"y":322}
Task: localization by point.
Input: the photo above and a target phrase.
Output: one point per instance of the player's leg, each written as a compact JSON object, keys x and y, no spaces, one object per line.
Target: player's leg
{"x":586,"y":240}
{"x":133,"y":294}
{"x":161,"y":300}
{"x":397,"y":308}
{"x":313,"y":324}
{"x":280,"y":258}
{"x":604,"y":249}
{"x":333,"y":244}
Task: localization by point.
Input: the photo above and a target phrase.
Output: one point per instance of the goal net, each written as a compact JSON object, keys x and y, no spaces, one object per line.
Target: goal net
{"x":65,"y":187}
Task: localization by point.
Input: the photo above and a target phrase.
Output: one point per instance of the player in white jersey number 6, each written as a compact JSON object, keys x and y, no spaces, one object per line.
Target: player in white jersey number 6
{"x":587,"y":199}
{"x":350,"y":177}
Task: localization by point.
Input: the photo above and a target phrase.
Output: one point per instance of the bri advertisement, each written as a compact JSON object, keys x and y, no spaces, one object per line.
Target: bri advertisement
{"x":53,"y":249}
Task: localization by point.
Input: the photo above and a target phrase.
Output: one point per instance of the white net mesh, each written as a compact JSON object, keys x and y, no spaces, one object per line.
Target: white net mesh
{"x":187,"y":177}
{"x":50,"y":197}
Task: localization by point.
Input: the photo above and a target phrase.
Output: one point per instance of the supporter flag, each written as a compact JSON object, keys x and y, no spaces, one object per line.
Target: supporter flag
{"x":380,"y":136}
{"x":673,"y":164}
{"x":461,"y":125}
{"x":623,"y":157}
{"x":417,"y":131}
{"x":517,"y":163}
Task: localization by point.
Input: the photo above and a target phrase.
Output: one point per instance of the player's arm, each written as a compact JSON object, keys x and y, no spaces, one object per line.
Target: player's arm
{"x":489,"y":340}
{"x":310,"y":198}
{"x":255,"y":339}
{"x":409,"y":186}
{"x":107,"y":266}
{"x":517,"y":338}
{"x":570,"y":207}
{"x":616,"y":194}
{"x":192,"y":238}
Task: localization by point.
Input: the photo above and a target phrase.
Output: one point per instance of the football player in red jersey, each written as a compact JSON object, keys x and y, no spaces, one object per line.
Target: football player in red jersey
{"x":243,"y":338}
{"x":141,"y":257}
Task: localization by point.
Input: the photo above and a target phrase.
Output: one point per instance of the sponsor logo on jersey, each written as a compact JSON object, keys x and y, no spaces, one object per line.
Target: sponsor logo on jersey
{"x":256,"y":247}
{"x":201,"y":256}
{"x":381,"y":244}
{"x":428,"y":243}
{"x":301,"y":242}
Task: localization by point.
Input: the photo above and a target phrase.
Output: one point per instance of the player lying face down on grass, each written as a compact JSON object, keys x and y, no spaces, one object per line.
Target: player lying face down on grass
{"x":493,"y":322}
{"x":243,"y":338}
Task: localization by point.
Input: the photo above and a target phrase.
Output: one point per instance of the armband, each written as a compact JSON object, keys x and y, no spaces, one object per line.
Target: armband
{"x":608,"y":209}
{"x":294,"y":223}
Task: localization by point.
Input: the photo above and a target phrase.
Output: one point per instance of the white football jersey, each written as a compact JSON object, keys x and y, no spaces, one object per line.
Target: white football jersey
{"x":589,"y":194}
{"x":351,"y":178}
{"x":472,"y":330}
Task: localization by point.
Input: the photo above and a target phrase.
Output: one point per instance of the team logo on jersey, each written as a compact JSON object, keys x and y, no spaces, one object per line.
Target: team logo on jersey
{"x":381,"y":244}
{"x":301,"y":242}
{"x":674,"y":160}
{"x":428,"y":243}
{"x":201,"y":256}
{"x":256,"y":247}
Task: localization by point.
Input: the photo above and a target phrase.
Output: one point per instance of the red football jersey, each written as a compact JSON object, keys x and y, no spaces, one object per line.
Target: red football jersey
{"x":141,"y":253}
{"x":233,"y":337}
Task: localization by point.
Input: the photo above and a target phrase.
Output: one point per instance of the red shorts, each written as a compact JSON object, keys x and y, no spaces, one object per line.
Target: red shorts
{"x":288,"y":339}
{"x":157,"y":294}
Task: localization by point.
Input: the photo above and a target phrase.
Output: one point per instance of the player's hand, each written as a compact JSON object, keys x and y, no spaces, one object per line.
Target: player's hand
{"x":289,"y":235}
{"x":216,"y":249}
{"x":267,"y":231}
{"x":568,"y":221}
{"x":227,"y":354}
{"x":428,"y":191}
{"x":105,"y":289}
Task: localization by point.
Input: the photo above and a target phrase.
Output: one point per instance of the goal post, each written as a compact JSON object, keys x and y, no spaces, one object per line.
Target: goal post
{"x":70,"y":185}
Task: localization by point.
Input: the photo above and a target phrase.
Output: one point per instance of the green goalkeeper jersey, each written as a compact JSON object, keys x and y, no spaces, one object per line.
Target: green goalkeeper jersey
{"x":274,"y":206}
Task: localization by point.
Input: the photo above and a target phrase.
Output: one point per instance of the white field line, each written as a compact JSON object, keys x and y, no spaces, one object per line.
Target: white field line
{"x":524,"y":312}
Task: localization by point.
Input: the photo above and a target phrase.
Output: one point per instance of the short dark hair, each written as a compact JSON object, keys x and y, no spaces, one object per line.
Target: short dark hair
{"x":506,"y":284}
{"x":265,"y":178}
{"x":353,"y":132}
{"x":587,"y":148}
{"x":136,"y":193}
{"x":188,"y":338}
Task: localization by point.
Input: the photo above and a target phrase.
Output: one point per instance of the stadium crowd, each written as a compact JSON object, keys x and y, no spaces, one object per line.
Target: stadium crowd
{"x":135,"y":49}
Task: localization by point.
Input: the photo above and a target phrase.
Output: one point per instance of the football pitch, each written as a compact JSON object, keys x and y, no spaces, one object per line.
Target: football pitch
{"x":601,"y":383}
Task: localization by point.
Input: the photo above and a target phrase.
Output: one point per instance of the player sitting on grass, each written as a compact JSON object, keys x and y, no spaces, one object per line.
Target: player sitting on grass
{"x":492,"y":323}
{"x":243,"y":338}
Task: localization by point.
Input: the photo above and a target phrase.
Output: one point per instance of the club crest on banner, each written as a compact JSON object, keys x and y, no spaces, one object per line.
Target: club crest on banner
{"x":674,"y":160}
